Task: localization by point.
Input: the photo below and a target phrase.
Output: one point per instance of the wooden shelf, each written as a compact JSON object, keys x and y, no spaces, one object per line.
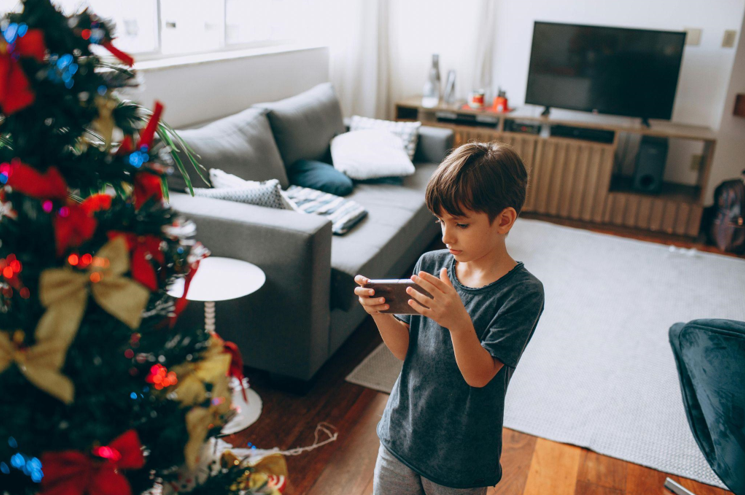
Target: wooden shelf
{"x":670,"y":191}
{"x":532,"y":113}
{"x":661,"y":128}
{"x":415,"y":102}
{"x":573,"y":178}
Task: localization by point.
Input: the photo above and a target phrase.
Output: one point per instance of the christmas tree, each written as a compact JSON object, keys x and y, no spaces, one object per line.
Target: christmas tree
{"x":98,"y":393}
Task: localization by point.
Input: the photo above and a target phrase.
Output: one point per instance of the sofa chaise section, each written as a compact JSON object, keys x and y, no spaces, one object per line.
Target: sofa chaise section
{"x":282,"y":328}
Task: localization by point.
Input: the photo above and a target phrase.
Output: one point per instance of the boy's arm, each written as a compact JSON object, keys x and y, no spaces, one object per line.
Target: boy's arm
{"x":395,"y":334}
{"x":477,"y":366}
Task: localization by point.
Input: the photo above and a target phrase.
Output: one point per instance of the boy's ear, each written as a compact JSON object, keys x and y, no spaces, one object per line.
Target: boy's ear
{"x":506,"y":219}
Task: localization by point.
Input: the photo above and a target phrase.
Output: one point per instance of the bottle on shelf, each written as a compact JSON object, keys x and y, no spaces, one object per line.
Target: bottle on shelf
{"x":431,"y":92}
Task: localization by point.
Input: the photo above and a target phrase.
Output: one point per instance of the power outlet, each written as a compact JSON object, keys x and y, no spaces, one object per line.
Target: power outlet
{"x":693,"y":36}
{"x":728,"y":41}
{"x":696,"y":162}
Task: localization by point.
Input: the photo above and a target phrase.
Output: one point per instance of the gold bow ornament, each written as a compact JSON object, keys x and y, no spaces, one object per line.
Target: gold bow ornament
{"x":200,"y":420}
{"x":211,"y":368}
{"x":104,"y":122}
{"x":42,"y":362}
{"x":265,"y":474}
{"x":64,"y":291}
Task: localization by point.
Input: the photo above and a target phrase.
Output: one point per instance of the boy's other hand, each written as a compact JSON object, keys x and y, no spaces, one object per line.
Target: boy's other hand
{"x":445,"y":306}
{"x":372,"y":305}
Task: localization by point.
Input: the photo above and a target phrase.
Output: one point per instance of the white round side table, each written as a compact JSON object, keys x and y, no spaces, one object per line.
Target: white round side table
{"x":222,"y":279}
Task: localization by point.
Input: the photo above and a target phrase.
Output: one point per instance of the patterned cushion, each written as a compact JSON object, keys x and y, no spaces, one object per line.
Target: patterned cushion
{"x":224,"y":180}
{"x":407,"y":131}
{"x":343,"y":213}
{"x":267,"y":194}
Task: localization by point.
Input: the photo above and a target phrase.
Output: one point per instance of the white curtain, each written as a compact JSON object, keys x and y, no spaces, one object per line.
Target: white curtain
{"x":381,"y":51}
{"x":357,"y":34}
{"x":485,"y":32}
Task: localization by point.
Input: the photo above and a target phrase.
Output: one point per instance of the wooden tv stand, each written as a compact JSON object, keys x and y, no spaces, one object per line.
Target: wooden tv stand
{"x":574,"y":178}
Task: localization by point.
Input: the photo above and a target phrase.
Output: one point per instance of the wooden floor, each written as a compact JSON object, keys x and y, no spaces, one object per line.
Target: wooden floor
{"x":531,"y":465}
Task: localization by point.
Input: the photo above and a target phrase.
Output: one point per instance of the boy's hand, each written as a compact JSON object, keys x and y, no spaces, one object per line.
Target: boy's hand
{"x":445,"y":306}
{"x":373,"y":306}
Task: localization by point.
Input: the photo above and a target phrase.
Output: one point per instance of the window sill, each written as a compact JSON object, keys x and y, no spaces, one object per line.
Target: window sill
{"x":202,"y":58}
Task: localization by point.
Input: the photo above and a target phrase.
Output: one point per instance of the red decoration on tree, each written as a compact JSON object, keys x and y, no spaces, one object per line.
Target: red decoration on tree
{"x":146,"y":136}
{"x":236,"y":364}
{"x":15,"y":91}
{"x":124,"y":57}
{"x":95,"y":203}
{"x":147,"y":186}
{"x":29,"y":181}
{"x":182,"y":301}
{"x":72,"y":227}
{"x":125,"y":146}
{"x":74,"y":473}
{"x":141,"y":247}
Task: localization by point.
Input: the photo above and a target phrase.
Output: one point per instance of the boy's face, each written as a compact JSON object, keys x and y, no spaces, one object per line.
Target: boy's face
{"x":472,"y":236}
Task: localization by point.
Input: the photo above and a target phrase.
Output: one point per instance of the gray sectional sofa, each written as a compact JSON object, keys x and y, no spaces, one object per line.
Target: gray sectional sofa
{"x":307,"y":308}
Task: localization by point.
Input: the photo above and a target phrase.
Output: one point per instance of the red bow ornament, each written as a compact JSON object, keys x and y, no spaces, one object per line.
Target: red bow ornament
{"x":144,"y":248}
{"x":72,"y":227}
{"x":73,"y":224}
{"x":15,"y":90}
{"x":29,"y":181}
{"x":73,"y":473}
{"x":147,"y":186}
{"x":96,"y":202}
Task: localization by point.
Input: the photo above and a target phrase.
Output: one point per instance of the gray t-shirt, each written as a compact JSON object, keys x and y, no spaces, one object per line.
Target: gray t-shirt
{"x":434,"y":422}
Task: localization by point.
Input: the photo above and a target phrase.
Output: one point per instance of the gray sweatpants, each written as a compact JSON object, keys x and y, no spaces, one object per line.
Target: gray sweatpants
{"x":394,"y":478}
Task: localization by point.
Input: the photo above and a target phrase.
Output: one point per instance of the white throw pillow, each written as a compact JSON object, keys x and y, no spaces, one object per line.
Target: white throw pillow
{"x":370,"y":154}
{"x":224,"y":180}
{"x":407,"y":131}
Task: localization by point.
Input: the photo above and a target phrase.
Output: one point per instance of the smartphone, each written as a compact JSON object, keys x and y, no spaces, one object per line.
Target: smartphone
{"x":394,"y":292}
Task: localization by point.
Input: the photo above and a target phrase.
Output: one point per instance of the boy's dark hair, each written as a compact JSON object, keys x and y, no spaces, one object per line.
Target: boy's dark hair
{"x":483,"y":177}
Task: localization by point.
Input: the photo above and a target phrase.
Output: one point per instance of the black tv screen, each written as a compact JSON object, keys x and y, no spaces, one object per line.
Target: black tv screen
{"x":619,"y":71}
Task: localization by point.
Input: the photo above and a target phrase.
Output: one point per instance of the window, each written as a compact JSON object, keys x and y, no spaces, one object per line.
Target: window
{"x":161,"y":28}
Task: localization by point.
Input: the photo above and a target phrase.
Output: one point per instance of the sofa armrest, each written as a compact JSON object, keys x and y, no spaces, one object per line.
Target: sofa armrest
{"x":284,"y":327}
{"x":434,"y":144}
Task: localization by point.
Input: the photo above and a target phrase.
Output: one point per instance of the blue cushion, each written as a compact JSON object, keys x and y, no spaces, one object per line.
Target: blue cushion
{"x":320,"y":176}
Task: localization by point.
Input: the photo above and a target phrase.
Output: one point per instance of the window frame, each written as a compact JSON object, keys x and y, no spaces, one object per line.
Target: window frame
{"x":224,"y":50}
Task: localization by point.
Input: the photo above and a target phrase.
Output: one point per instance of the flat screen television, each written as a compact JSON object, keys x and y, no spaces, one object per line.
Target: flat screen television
{"x":618,"y":71}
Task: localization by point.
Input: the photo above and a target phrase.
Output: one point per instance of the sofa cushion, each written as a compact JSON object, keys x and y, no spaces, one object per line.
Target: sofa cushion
{"x":266,"y":194}
{"x":241,"y":144}
{"x":303,"y":125}
{"x":396,"y":214}
{"x":370,"y":154}
{"x":320,"y":176}
{"x":407,"y":131}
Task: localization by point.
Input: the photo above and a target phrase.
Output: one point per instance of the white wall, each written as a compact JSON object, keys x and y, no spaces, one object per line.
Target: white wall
{"x":729,"y":157}
{"x":205,"y":91}
{"x":420,"y":28}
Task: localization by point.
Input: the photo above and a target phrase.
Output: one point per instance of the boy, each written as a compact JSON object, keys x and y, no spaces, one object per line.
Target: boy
{"x":441,"y":431}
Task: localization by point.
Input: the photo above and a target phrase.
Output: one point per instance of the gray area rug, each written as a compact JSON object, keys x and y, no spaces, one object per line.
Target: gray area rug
{"x":599,"y":372}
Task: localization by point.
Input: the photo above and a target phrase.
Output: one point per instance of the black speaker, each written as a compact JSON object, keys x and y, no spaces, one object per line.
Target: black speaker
{"x":650,"y":164}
